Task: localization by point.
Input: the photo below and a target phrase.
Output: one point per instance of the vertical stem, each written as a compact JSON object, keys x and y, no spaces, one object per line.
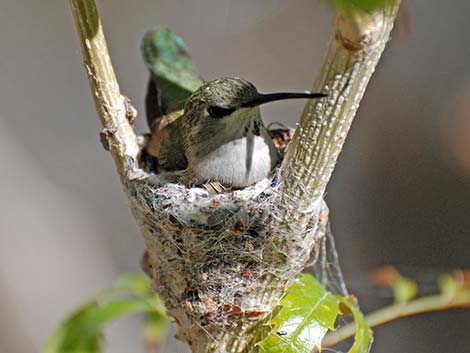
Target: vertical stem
{"x":118,"y":134}
{"x":356,"y":45}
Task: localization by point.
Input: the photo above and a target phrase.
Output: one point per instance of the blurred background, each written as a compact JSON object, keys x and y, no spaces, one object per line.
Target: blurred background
{"x":400,"y":194}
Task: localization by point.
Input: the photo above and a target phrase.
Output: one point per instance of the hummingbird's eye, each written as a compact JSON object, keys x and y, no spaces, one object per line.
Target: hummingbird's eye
{"x":219,"y":112}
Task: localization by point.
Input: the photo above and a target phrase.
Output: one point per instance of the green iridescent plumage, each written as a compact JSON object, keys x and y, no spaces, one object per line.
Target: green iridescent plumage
{"x":173,"y":78}
{"x":220,"y":137}
{"x":171,"y":68}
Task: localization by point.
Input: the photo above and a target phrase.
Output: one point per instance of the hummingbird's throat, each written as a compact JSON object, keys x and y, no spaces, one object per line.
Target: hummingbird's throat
{"x":254,"y":124}
{"x":254,"y":127}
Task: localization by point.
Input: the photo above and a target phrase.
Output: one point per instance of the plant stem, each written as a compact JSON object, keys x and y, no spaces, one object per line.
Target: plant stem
{"x":354,"y":50}
{"x":118,"y":135}
{"x":397,"y":311}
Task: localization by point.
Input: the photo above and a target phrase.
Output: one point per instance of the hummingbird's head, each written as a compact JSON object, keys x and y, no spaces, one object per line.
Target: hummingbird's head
{"x":223,"y":136}
{"x":230,"y":98}
{"x":219,"y":99}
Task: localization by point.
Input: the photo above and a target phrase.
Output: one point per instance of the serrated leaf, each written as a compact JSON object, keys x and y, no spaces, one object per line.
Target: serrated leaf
{"x":80,"y":332}
{"x":307,"y":312}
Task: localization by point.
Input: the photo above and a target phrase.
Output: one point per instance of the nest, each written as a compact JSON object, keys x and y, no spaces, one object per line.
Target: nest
{"x":217,"y":258}
{"x":219,"y":261}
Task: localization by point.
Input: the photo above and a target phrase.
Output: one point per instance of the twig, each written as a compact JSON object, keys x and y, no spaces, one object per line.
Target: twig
{"x":397,"y":311}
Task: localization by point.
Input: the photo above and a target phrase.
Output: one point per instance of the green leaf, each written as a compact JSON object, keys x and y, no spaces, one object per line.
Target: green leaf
{"x":69,"y":337}
{"x":455,"y":284}
{"x":365,"y":5}
{"x":156,"y":328}
{"x":139,"y":285}
{"x":307,"y":312}
{"x":80,"y":332}
{"x":133,"y":283}
{"x":447,"y":285}
{"x":363,"y":337}
{"x":404,"y":289}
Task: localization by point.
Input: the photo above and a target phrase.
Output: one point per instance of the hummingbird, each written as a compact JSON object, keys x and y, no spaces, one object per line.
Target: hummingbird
{"x":217,"y":133}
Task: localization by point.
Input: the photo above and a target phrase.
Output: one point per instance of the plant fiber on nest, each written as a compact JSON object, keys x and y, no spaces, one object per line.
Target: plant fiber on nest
{"x":219,"y":260}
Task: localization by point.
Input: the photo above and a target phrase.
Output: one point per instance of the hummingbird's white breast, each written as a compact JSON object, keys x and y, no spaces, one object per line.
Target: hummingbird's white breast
{"x":244,"y":153}
{"x":239,"y":163}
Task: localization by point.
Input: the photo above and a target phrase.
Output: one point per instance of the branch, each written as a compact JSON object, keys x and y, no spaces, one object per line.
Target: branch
{"x":400,"y":310}
{"x":355,"y":47}
{"x":191,"y":235}
{"x":118,"y":135}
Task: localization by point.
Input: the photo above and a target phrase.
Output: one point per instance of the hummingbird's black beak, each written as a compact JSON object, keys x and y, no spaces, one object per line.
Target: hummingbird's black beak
{"x":272,"y":97}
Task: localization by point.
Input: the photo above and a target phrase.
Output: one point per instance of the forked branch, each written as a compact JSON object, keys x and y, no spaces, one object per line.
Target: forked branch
{"x":284,"y":239}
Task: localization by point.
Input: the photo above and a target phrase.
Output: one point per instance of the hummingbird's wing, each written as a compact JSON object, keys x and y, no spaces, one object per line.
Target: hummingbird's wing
{"x":173,"y":78}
